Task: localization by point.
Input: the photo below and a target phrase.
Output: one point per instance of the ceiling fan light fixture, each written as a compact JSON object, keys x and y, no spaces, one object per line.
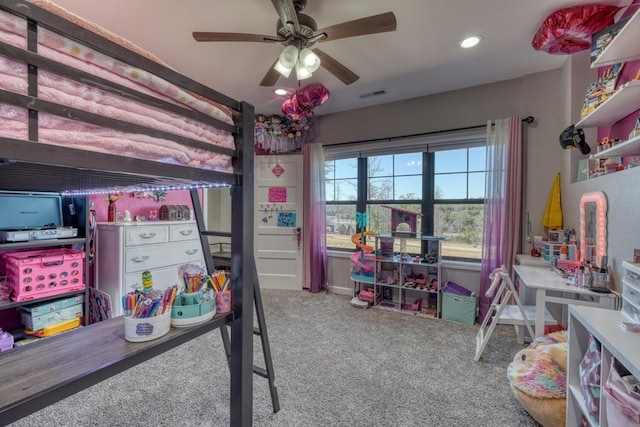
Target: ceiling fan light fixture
{"x":282,"y":69}
{"x":289,"y":55}
{"x":287,"y":60}
{"x":280,"y":91}
{"x":302,"y":72}
{"x":310,"y":60}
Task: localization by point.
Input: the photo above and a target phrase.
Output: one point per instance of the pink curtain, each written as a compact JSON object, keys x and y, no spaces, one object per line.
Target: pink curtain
{"x":503,"y":199}
{"x":314,"y":224}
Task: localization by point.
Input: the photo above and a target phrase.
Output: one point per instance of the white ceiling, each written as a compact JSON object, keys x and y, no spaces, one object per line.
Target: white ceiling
{"x":421,"y":57}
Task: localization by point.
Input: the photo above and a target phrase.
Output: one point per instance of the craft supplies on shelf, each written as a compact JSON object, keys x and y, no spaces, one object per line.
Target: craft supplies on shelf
{"x":193,"y":308}
{"x":147,"y":328}
{"x":44,"y":273}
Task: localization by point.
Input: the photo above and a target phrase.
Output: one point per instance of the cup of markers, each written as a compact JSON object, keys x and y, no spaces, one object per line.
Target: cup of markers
{"x":147,"y":316}
{"x":221,"y":283}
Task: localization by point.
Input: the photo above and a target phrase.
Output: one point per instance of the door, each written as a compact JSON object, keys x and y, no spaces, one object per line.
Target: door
{"x":278,"y":221}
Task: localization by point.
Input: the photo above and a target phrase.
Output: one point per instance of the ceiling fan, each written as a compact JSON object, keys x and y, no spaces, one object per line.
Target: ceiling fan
{"x":298,"y":33}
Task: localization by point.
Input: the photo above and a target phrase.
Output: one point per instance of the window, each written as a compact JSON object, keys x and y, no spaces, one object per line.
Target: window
{"x":441,"y":179}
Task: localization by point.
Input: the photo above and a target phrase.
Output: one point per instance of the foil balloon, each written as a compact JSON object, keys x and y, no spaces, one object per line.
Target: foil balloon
{"x":303,"y":103}
{"x":569,"y":30}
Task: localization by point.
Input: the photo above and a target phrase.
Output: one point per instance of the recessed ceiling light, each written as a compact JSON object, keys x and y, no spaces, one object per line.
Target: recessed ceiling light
{"x":470,"y":41}
{"x":280,"y":92}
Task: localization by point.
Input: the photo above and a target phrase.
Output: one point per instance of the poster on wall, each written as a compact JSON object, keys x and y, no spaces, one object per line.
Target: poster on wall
{"x":286,"y":219}
{"x":277,"y":195}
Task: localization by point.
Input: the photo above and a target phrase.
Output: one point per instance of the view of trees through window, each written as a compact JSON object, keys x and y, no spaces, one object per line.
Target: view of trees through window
{"x":452,"y":191}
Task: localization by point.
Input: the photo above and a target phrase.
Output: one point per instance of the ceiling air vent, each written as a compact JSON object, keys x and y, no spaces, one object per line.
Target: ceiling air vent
{"x":374,"y":93}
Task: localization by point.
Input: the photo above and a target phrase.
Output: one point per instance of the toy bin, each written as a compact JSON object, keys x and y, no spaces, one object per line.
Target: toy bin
{"x":459,"y":304}
{"x":190,"y":309}
{"x":146,"y":328}
{"x":44,"y":273}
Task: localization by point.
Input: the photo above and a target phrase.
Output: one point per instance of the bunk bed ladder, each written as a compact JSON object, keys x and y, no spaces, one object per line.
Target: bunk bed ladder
{"x":261,"y":330}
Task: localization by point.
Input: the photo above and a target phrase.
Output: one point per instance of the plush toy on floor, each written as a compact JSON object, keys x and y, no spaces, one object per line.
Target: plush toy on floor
{"x":538,"y":377}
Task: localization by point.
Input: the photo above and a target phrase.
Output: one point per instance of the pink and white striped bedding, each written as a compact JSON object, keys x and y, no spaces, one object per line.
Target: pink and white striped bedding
{"x":75,"y":134}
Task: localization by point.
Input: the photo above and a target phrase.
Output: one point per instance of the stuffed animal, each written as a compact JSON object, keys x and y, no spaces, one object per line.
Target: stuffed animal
{"x":538,"y":378}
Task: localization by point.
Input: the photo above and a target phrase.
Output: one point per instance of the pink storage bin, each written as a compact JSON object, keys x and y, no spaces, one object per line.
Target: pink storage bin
{"x":43,"y":273}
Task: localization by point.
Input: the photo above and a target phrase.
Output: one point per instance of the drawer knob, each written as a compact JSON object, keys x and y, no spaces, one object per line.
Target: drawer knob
{"x":186,"y":232}
{"x":191,"y":251}
{"x":147,"y":235}
{"x":139,"y":259}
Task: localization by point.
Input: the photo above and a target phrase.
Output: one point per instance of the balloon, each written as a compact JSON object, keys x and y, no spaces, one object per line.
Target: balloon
{"x":569,"y":30}
{"x":302,"y":103}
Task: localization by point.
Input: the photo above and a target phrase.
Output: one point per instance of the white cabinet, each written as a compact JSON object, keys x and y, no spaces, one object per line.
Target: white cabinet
{"x":125,"y":250}
{"x":631,"y":290}
{"x":404,"y":282}
{"x":616,"y":342}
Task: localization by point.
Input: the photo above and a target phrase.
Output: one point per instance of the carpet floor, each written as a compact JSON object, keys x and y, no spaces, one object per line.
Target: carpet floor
{"x":335,"y":365}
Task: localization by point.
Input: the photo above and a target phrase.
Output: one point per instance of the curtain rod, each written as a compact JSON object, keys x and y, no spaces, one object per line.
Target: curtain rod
{"x":527,"y":120}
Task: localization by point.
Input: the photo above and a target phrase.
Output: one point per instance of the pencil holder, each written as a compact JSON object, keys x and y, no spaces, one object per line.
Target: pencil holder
{"x":223,"y":302}
{"x":146,"y":328}
{"x":188,"y":310}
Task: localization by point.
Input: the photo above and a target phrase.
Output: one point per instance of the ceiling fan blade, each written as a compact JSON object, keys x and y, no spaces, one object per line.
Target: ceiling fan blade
{"x":344,"y":74}
{"x":271,"y":77}
{"x":359,"y":27}
{"x":287,"y":13}
{"x":232,"y":37}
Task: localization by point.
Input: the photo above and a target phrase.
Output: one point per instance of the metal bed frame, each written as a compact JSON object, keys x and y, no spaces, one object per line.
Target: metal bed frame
{"x":40,"y":374}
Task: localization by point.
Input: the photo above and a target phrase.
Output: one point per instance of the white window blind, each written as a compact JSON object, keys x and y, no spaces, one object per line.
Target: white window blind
{"x":437,"y":141}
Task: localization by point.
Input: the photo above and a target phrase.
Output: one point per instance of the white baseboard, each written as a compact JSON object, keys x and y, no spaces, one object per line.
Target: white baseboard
{"x":340,"y":290}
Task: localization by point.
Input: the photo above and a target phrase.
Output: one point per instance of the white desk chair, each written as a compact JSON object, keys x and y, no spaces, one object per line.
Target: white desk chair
{"x":503,"y":311}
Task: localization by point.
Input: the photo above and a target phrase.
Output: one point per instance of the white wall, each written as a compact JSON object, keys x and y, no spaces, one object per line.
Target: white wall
{"x":534,"y":95}
{"x":554,"y":98}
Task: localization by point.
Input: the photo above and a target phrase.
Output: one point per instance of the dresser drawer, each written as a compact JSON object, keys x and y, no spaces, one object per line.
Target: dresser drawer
{"x":135,"y":236}
{"x":162,"y":279}
{"x":178,"y":232}
{"x":156,"y":256}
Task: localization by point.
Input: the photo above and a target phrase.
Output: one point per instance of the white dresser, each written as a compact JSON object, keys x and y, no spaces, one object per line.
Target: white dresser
{"x":124,"y":250}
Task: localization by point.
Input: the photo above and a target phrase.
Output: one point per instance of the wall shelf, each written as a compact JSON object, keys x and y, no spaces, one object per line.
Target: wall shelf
{"x":629,"y":147}
{"x":619,"y":105}
{"x":624,"y":46}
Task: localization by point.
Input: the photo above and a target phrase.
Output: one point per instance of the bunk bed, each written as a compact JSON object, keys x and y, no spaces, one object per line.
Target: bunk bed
{"x":84,"y":111}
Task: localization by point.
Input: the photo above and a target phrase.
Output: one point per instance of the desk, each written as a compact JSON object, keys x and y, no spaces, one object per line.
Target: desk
{"x":39,"y":374}
{"x":544,"y":281}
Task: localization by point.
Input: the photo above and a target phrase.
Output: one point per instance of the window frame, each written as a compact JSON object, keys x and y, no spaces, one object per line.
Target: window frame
{"x":428,"y":145}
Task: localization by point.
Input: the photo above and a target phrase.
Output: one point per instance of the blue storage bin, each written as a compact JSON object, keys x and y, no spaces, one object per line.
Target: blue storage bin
{"x":459,"y":308}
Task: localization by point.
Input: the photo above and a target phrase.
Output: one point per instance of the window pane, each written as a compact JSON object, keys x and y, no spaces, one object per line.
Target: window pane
{"x":329,"y":191}
{"x":408,"y":187}
{"x":463,"y":224}
{"x":380,"y":166}
{"x":329,"y":169}
{"x":340,"y":225}
{"x":451,"y":186}
{"x":408,"y":164}
{"x":380,"y":189}
{"x":451,"y":161}
{"x":346,"y":189}
{"x":477,"y":158}
{"x":476,"y":185}
{"x":346,"y":168}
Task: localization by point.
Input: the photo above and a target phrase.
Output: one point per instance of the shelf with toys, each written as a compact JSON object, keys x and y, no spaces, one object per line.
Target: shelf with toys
{"x":392,"y":274}
{"x":617,"y":106}
{"x":408,"y":282}
{"x":621,"y":43}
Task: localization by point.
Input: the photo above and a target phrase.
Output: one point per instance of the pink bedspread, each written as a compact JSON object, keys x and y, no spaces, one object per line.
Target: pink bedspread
{"x":54,"y":88}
